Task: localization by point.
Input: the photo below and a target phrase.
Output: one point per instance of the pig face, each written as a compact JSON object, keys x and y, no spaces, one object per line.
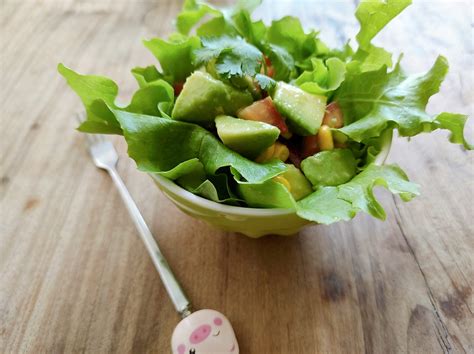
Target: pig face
{"x":204,"y":332}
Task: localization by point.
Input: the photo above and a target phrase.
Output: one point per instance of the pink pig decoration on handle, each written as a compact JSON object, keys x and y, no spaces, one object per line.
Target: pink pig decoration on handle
{"x":204,"y":332}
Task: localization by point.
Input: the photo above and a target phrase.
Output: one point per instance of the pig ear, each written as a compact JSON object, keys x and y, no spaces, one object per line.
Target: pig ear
{"x":217,"y":321}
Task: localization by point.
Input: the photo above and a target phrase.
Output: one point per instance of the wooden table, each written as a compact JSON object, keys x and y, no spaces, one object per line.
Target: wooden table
{"x":75,"y":277}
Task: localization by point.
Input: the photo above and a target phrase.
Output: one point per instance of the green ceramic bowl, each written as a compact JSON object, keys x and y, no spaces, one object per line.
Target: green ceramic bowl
{"x":252,"y":222}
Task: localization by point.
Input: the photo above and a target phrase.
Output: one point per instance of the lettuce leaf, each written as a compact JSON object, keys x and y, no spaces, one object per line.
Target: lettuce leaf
{"x":191,"y":176}
{"x":146,"y":75}
{"x":359,"y":191}
{"x":324,"y":207}
{"x":231,"y":21}
{"x":373,"y":16}
{"x":146,"y":99}
{"x":160,"y":144}
{"x":193,"y":11}
{"x":246,"y":5}
{"x":370,"y":59}
{"x":174,"y":55}
{"x":376,"y":100}
{"x":289,"y":34}
{"x":253,"y":31}
{"x":99,"y":93}
{"x":331,"y":204}
{"x":216,"y":188}
{"x":345,"y":53}
{"x":216,"y":27}
{"x":454,"y":123}
{"x":192,"y":167}
{"x":324,"y":78}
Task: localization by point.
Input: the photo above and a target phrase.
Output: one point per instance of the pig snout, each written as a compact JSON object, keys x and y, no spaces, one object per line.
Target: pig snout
{"x":200,"y":334}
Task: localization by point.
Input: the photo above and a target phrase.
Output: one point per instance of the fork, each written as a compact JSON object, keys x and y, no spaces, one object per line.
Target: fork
{"x":105,"y":157}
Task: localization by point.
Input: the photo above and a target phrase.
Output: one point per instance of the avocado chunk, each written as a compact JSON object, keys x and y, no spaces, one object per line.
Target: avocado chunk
{"x":330,"y":168}
{"x":203,"y":98}
{"x":304,"y":111}
{"x":299,"y":186}
{"x":248,"y":138}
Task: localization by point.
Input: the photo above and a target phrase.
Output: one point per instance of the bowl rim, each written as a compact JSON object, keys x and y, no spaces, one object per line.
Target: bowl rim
{"x":237,"y":210}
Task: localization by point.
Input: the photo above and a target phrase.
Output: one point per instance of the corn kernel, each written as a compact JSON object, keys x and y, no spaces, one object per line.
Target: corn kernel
{"x":325,"y":141}
{"x":281,"y":152}
{"x":266,"y":155}
{"x":276,"y":151}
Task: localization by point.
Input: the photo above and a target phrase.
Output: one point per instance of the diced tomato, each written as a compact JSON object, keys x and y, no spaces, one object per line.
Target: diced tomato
{"x":310,"y":146}
{"x":264,"y":111}
{"x":268,"y":64}
{"x":333,"y":116}
{"x":178,"y":87}
{"x":294,"y":157}
{"x":270,"y":71}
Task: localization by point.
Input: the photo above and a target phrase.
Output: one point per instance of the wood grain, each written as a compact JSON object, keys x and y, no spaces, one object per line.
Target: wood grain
{"x":75,"y":278}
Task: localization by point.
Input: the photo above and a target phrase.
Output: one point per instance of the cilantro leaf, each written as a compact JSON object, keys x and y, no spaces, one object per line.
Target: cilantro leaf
{"x":265,"y":82}
{"x":233,"y":56}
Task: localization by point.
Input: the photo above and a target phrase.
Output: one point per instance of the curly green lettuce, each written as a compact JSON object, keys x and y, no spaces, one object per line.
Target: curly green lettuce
{"x":376,"y":98}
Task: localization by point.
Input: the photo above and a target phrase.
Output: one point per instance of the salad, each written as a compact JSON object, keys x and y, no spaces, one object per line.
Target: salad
{"x":268,"y":116}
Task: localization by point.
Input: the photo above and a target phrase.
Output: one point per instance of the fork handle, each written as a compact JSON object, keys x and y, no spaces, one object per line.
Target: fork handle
{"x":180,"y":302}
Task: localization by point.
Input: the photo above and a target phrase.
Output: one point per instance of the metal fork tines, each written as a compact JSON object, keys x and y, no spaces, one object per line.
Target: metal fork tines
{"x":105,"y":157}
{"x":102,"y":151}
